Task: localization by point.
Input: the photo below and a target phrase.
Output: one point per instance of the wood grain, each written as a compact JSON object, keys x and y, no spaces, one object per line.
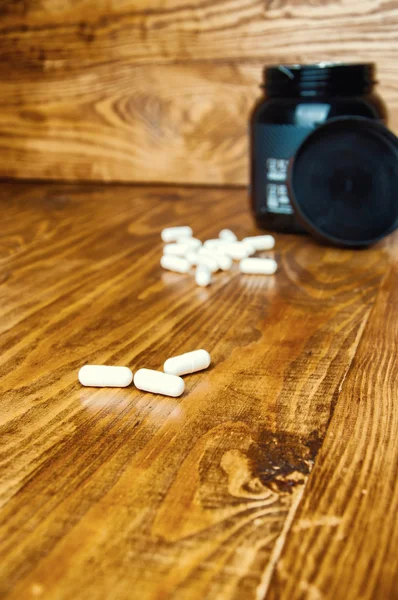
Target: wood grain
{"x":111,"y":494}
{"x":344,"y":537}
{"x":169,"y":31}
{"x":123,"y":91}
{"x":147,"y":123}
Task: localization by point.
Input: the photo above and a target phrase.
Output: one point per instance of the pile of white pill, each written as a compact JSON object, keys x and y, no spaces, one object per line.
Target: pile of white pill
{"x":182,"y":251}
{"x":167,"y":382}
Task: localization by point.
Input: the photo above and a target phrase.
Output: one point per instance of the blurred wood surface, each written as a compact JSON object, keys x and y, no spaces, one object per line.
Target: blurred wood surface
{"x":117,"y":494}
{"x":342,"y":539}
{"x":162,"y":90}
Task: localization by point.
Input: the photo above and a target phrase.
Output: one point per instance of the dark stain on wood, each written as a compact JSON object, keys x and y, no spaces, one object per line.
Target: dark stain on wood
{"x":280,"y":460}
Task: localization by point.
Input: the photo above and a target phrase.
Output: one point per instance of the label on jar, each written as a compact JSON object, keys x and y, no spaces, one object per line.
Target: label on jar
{"x":274,"y":146}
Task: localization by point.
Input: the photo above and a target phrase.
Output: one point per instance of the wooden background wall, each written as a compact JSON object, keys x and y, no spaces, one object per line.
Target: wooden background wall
{"x":160,"y":90}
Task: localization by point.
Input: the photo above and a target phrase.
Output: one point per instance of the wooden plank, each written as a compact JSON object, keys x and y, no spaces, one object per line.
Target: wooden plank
{"x":81,"y":34}
{"x":114,"y":493}
{"x":139,"y":124}
{"x":343,"y":541}
{"x":168,"y":123}
{"x":117,"y":91}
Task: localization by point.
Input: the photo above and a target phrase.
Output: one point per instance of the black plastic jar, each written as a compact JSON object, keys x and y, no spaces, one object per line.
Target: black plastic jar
{"x":299,"y":98}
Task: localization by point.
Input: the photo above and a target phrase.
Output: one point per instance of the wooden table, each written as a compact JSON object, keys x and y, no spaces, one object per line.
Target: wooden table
{"x":274,"y":475}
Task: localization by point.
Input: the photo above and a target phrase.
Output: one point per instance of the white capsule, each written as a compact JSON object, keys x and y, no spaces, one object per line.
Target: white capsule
{"x":203,"y":275}
{"x":260,"y":242}
{"x":175,"y":263}
{"x":263,"y":266}
{"x":227,"y":235}
{"x":208,"y":261}
{"x":159,"y":383}
{"x":223,"y":261}
{"x":237,"y":250}
{"x":205,"y":252}
{"x":176,"y":249}
{"x":105,"y":376}
{"x":193,"y":243}
{"x":250,"y":248}
{"x":171,"y":234}
{"x":213,"y":244}
{"x":192,"y":257}
{"x":190,"y":362}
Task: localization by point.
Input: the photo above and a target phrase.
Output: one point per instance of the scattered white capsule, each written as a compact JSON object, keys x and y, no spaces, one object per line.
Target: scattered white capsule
{"x":208,"y":261}
{"x":223,"y":261}
{"x":203,"y":275}
{"x":237,"y":250}
{"x":263,"y":266}
{"x":250,"y":248}
{"x":105,"y":376}
{"x":213,"y":244}
{"x":175,"y":263}
{"x":227,"y":235}
{"x":176,"y":249}
{"x":193,"y":243}
{"x":260,"y":242}
{"x":190,"y":362}
{"x":171,"y":234}
{"x":205,"y":251}
{"x":159,"y":383}
{"x":192,"y":257}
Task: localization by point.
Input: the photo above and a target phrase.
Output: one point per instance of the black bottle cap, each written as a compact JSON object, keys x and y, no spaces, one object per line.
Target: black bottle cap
{"x":323,"y":78}
{"x":343,"y":182}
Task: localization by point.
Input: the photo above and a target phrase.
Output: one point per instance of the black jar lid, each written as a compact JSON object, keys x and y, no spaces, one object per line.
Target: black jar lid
{"x":343,"y":182}
{"x":323,"y":78}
